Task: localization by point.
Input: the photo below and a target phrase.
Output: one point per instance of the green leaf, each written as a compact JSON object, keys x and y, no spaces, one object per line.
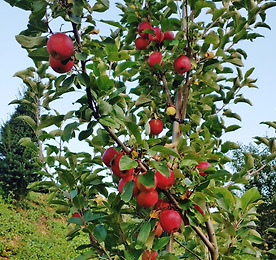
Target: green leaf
{"x":249,"y":161}
{"x":86,"y":255}
{"x":273,"y":230}
{"x":74,"y":220}
{"x":29,"y":121}
{"x":126,"y":163}
{"x":29,"y":42}
{"x":270,"y":124}
{"x":118,"y":56}
{"x":240,"y":35}
{"x":134,"y":130}
{"x":113,"y":23}
{"x":143,"y":99}
{"x":51,"y":120}
{"x":225,"y":195}
{"x":68,"y":178}
{"x":161,"y":243}
{"x":69,"y":130}
{"x":232,"y":128}
{"x":218,"y":13}
{"x":272,"y":251}
{"x":84,"y":79}
{"x":85,"y":133}
{"x":270,"y":157}
{"x":249,"y":196}
{"x":161,"y":167}
{"x":248,"y":73}
{"x":236,"y":61}
{"x":120,"y":68}
{"x":40,"y":54}
{"x":165,"y":150}
{"x":127,"y":191}
{"x":229,"y":113}
{"x":225,"y":147}
{"x":143,"y":234}
{"x":244,"y":100}
{"x":27,"y":142}
{"x":100,"y":232}
{"x":147,"y":179}
{"x":107,"y":121}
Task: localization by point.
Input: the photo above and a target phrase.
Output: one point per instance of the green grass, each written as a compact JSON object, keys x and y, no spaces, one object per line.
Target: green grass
{"x":32,"y":230}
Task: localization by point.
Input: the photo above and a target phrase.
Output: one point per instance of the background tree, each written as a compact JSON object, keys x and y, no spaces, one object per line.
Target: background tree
{"x":136,"y":74}
{"x":264,"y":179}
{"x":18,"y":166}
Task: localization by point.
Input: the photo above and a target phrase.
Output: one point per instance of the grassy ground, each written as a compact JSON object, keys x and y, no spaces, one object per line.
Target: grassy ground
{"x":32,"y":230}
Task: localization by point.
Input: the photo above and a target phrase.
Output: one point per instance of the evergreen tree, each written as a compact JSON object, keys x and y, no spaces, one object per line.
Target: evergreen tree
{"x":264,"y":179}
{"x":17,"y":162}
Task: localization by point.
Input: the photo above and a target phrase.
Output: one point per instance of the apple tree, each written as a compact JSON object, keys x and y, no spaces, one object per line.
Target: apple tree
{"x":151,"y":102}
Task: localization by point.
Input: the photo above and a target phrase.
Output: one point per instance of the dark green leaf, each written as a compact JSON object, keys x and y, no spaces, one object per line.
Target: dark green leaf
{"x":69,"y":130}
{"x":232,"y":128}
{"x":127,"y":191}
{"x":100,"y":232}
{"x":134,"y":130}
{"x":147,"y":179}
{"x":161,"y":243}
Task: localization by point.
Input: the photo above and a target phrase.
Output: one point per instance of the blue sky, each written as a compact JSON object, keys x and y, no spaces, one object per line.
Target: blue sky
{"x":261,"y":55}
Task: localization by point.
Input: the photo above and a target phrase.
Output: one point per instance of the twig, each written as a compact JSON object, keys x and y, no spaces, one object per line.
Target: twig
{"x":186,"y":248}
{"x":166,"y":89}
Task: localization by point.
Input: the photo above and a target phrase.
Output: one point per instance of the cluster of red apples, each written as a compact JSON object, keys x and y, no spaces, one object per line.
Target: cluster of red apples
{"x":181,"y":64}
{"x":60,"y":48}
{"x":147,"y":196}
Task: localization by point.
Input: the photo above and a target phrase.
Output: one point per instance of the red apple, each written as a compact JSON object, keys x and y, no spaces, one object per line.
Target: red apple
{"x":199,"y":209}
{"x":60,"y":46}
{"x":164,"y":182}
{"x":147,"y":199}
{"x":158,"y":229}
{"x":144,"y":188}
{"x":108,"y":155}
{"x":149,"y":255}
{"x":170,"y":220}
{"x":201,"y":166}
{"x":157,"y":37}
{"x":76,"y":215}
{"x":182,"y":64}
{"x":116,"y":169}
{"x":168,"y":35}
{"x":123,"y":181}
{"x":141,"y":43}
{"x":156,"y":126}
{"x":161,"y":204}
{"x":61,"y":66}
{"x":154,"y":58}
{"x":143,"y":26}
